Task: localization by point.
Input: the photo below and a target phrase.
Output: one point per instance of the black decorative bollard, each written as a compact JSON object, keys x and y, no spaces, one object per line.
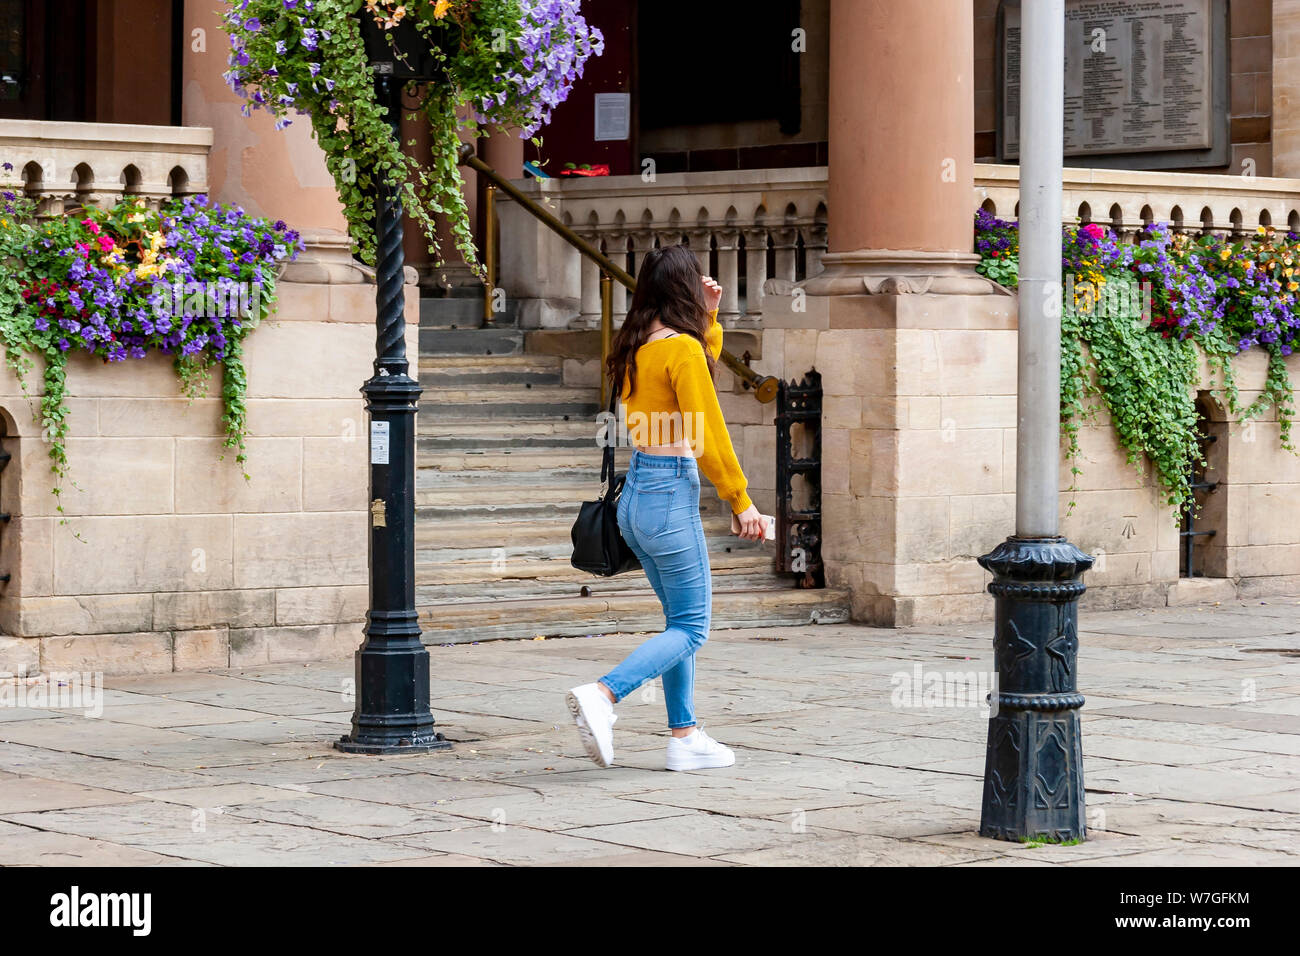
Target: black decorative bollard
{"x":392,"y":665}
{"x":1033,"y":772}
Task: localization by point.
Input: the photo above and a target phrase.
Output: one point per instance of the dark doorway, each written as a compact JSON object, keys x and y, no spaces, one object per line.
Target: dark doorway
{"x":107,"y":61}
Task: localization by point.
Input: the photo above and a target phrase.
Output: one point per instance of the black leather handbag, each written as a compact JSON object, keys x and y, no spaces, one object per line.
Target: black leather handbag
{"x":598,"y":545}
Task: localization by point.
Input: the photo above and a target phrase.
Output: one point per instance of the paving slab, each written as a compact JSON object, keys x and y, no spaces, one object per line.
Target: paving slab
{"x":1191,"y":738}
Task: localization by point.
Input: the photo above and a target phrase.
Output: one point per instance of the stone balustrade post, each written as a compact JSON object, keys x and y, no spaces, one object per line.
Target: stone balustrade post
{"x":755,"y":269}
{"x":785,"y":242}
{"x":729,"y":274}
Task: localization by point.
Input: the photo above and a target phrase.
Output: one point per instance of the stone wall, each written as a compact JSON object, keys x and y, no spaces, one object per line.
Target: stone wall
{"x":165,"y":557}
{"x":919,"y":444}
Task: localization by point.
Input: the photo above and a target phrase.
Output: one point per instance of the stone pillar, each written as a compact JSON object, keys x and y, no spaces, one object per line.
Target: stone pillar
{"x":916,"y":351}
{"x":280,"y":174}
{"x":1286,"y":89}
{"x":504,"y":152}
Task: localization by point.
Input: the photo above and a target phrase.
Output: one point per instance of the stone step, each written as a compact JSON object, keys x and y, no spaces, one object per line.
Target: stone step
{"x":470,"y":466}
{"x":529,"y":359}
{"x":522,"y":571}
{"x":499,"y":434}
{"x":490,"y":371}
{"x":632,"y":582}
{"x":565,"y":496}
{"x":462,"y":312}
{"x":436,"y":341}
{"x":431,"y":479}
{"x":611,"y":612}
{"x":514,"y":411}
{"x":518,"y":503}
{"x":429,"y":445}
{"x":442,"y":506}
{"x":452,"y":534}
{"x":554,"y":403}
{"x":504,"y":395}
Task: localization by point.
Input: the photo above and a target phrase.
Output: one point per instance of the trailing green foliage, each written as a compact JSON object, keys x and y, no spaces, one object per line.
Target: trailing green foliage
{"x":1136,"y":321}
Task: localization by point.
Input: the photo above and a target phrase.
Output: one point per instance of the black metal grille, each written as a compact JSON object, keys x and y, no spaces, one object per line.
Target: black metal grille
{"x":5,"y":458}
{"x":1188,"y":533}
{"x":799,"y":530}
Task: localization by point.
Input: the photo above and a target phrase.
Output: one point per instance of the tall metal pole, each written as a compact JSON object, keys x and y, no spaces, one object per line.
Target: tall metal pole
{"x":1042,"y":145}
{"x":1033,"y":774}
{"x":392,"y":665}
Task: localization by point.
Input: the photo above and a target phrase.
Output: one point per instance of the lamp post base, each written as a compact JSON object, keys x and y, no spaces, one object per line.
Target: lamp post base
{"x":1033,"y":773}
{"x":392,"y":714}
{"x":402,"y":746}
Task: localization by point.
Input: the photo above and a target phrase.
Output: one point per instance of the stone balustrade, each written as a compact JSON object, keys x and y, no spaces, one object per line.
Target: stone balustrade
{"x":1127,"y":200}
{"x":750,"y":226}
{"x":744,"y":226}
{"x":64,"y":166}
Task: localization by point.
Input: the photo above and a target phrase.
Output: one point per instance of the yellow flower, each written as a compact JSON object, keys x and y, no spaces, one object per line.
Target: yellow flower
{"x":440,"y":9}
{"x":1292,"y":286}
{"x":1224,"y":254}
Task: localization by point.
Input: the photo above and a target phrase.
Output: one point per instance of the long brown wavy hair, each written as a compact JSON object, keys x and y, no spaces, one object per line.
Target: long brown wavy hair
{"x":668,"y":287}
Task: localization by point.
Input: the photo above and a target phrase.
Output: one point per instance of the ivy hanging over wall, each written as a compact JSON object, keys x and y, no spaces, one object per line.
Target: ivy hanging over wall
{"x":1136,"y":319}
{"x":190,"y":281}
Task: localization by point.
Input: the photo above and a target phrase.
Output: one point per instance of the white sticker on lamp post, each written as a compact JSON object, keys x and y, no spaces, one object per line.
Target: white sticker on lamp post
{"x":379,"y":443}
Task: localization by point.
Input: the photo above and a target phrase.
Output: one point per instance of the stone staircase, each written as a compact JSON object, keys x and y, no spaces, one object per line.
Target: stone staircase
{"x":506,"y":452}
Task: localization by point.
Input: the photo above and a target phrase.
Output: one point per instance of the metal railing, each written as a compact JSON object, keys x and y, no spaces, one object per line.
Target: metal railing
{"x":763,"y":387}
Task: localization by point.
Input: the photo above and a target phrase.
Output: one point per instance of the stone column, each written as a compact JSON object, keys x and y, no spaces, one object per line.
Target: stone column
{"x":901,"y":149}
{"x":916,"y":351}
{"x":504,"y":152}
{"x":280,"y":174}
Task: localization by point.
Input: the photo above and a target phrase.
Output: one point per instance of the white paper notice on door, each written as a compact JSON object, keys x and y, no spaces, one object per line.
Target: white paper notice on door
{"x":612,"y":115}
{"x":379,"y":443}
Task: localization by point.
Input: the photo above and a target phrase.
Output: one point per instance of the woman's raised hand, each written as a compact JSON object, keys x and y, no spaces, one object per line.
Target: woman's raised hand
{"x":712,"y":293}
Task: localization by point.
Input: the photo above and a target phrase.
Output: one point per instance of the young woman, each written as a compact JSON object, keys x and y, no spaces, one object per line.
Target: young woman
{"x":663,"y":358}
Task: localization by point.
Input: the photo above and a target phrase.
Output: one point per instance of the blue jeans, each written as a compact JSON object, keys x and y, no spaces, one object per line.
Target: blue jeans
{"x":659,"y":515}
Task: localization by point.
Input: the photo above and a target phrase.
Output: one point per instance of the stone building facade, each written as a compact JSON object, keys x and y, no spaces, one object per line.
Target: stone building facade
{"x":860,"y":199}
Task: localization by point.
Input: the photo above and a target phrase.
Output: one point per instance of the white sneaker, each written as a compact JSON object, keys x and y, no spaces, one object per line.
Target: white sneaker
{"x":699,"y":751}
{"x":594,"y":715}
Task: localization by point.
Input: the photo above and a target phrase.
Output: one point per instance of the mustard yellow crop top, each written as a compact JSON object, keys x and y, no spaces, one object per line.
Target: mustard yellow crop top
{"x":675,"y":398}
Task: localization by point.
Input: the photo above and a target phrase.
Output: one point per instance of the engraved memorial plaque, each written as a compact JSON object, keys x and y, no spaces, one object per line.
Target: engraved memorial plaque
{"x":1139,"y":76}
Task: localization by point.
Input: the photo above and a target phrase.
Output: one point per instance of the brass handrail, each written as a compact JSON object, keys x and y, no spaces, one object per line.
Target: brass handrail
{"x":763,"y":386}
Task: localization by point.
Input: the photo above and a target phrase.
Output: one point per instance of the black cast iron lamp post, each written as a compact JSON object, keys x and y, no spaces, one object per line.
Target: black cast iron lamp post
{"x":1033,"y":772}
{"x":392,"y":665}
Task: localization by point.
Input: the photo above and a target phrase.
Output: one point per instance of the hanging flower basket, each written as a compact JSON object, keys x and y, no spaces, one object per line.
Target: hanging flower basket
{"x":469,"y":65}
{"x":401,"y":51}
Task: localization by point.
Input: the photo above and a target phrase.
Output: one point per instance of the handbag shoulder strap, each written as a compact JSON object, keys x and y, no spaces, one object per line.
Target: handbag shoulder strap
{"x":611,"y":437}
